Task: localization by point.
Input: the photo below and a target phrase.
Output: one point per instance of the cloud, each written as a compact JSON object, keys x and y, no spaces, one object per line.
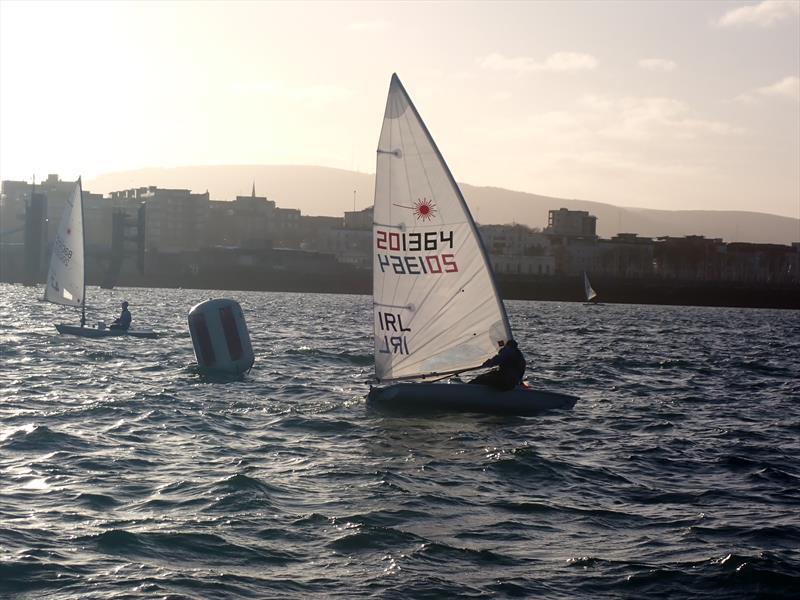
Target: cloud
{"x":559,"y":126}
{"x":620,"y":134}
{"x":657,"y":64}
{"x":464,"y":76}
{"x":629,"y":121}
{"x":569,"y":61}
{"x":368,"y":26}
{"x":317,"y":94}
{"x":763,"y":14}
{"x":638,"y":118}
{"x":787,"y":88}
{"x":627,"y":162}
{"x":501,"y":96}
{"x":558,"y":61}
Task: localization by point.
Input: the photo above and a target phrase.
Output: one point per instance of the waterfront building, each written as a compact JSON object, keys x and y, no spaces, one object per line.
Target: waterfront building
{"x":284,"y":228}
{"x":16,"y":197}
{"x":176,"y":225}
{"x":359,"y":219}
{"x":13,"y":200}
{"x":241,"y":223}
{"x":762,"y":263}
{"x":315,"y":232}
{"x":352,"y":242}
{"x":573,"y":240}
{"x":626,"y":255}
{"x":351,"y":246}
{"x":690,"y":258}
{"x":175,"y":219}
{"x":518,"y":250}
{"x":29,"y":218}
{"x":571,"y":223}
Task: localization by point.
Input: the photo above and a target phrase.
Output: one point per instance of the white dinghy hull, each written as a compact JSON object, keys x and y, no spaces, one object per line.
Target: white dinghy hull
{"x":91,"y":332}
{"x":465,"y":397}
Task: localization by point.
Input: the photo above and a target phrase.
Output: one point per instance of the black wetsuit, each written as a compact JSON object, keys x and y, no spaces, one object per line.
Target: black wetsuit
{"x":510,"y":368}
{"x":124,"y":321}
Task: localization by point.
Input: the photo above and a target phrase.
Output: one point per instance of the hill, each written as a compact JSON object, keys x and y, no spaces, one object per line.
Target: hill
{"x":326,"y":191}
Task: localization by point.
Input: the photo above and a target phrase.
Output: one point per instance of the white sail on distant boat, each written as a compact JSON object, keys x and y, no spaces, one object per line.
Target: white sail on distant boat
{"x":587,"y":288}
{"x":66,"y":281}
{"x":436,"y":307}
{"x":65,"y":278}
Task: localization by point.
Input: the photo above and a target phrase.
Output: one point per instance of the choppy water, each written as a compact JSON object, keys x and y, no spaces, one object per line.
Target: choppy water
{"x":123,"y":475}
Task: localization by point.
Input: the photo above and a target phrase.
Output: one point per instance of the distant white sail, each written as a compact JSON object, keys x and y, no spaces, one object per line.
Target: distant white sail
{"x":436,"y":306}
{"x":65,"y":283}
{"x":587,"y":288}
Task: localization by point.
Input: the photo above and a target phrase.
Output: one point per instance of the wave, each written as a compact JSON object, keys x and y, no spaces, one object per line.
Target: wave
{"x":185,"y":547}
{"x":41,"y":438}
{"x":328,"y":356}
{"x":130,"y":476}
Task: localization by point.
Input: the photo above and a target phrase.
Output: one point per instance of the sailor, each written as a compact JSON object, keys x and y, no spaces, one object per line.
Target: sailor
{"x":124,"y":320}
{"x":510,"y":368}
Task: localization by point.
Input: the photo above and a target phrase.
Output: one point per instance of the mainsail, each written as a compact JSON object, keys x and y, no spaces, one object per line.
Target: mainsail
{"x":587,"y":288}
{"x":436,"y":306}
{"x":65,"y":280}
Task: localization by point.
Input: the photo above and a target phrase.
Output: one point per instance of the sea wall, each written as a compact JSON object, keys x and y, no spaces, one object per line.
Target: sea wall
{"x":343,"y":279}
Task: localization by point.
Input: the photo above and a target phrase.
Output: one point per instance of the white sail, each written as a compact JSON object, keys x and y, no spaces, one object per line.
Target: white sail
{"x":65,"y":283}
{"x":587,"y":288}
{"x":436,"y":306}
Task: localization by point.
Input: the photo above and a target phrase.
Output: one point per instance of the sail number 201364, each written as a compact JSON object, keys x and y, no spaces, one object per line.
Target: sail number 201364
{"x":430,"y":244}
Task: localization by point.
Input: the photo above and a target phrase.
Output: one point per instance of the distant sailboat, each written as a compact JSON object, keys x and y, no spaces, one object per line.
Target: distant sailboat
{"x":66,"y":281}
{"x":65,"y":278}
{"x":437,"y":311}
{"x":587,"y":289}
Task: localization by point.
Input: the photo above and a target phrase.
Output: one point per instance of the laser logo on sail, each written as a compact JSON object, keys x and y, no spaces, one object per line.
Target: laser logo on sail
{"x":424,"y":209}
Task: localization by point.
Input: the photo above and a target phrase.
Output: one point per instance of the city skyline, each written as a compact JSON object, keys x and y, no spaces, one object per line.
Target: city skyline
{"x":506,"y":208}
{"x":655,"y":105}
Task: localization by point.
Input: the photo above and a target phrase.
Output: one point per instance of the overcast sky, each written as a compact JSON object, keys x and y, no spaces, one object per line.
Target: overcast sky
{"x":670,"y":105}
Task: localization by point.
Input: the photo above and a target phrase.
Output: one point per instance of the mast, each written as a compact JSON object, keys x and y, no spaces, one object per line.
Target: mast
{"x":83,"y":241}
{"x":29,"y":207}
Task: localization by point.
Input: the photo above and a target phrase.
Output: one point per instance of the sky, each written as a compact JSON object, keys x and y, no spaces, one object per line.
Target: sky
{"x":668,"y":105}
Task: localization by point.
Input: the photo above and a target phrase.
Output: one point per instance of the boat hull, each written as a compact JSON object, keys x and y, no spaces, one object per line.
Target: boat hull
{"x":91,"y":332}
{"x":463,"y":397}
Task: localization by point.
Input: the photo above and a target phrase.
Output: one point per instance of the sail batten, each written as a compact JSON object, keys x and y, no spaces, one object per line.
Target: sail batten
{"x":436,"y":306}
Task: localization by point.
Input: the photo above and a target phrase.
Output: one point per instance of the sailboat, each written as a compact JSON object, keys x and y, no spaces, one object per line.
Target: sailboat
{"x":66,"y":281}
{"x":588,"y":291}
{"x":436,"y":308}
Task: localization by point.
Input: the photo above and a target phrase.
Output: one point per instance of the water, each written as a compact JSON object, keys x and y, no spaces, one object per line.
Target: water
{"x":124,"y":475}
